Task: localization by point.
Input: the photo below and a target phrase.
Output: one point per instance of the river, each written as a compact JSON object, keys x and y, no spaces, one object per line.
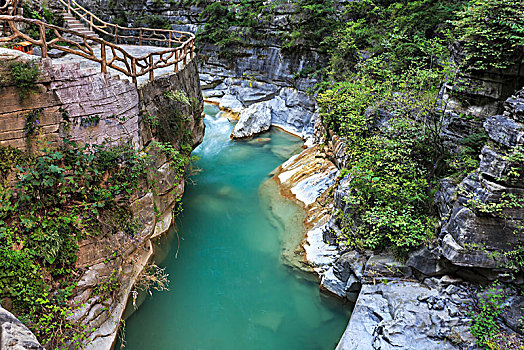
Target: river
{"x":229,"y":288}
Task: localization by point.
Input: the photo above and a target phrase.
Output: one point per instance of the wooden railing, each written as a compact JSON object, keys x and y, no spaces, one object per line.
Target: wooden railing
{"x":180,"y":47}
{"x":124,"y":35}
{"x":9,"y":7}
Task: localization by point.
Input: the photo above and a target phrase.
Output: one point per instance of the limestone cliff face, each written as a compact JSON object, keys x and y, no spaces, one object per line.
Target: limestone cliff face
{"x":91,"y":107}
{"x":475,"y":237}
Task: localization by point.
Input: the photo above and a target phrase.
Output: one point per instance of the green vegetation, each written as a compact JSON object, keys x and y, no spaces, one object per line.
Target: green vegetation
{"x":486,"y":323}
{"x":386,"y":107}
{"x":393,"y":156}
{"x":40,"y":10}
{"x":490,"y":306}
{"x":62,"y":196}
{"x":492,"y":32}
{"x":25,"y":75}
{"x":402,"y":34}
{"x":312,"y":22}
{"x":467,"y":158}
{"x":230,"y":26}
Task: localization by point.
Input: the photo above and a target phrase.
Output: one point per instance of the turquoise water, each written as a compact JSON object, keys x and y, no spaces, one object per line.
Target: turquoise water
{"x":229,"y":288}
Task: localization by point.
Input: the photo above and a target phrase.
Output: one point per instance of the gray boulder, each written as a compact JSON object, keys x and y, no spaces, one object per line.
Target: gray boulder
{"x":253,"y":120}
{"x":250,"y":92}
{"x":14,"y":335}
{"x":295,"y":98}
{"x":504,"y":130}
{"x":428,"y":262}
{"x":294,"y":119}
{"x":515,"y":106}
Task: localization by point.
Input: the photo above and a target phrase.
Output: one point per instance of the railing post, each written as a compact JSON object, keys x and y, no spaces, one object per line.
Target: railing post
{"x":43,"y":40}
{"x":176,"y":61}
{"x":103,"y":57}
{"x":152,"y":68}
{"x":185,"y":55}
{"x":170,"y":39}
{"x":90,"y":22}
{"x":116,"y":35}
{"x":140,"y":37}
{"x":133,"y":70}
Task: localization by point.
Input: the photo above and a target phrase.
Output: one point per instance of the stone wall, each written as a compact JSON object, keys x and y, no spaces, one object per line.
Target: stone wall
{"x":91,"y":107}
{"x":83,"y":103}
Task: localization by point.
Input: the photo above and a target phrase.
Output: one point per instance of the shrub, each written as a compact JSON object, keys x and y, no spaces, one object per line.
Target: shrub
{"x":492,"y":32}
{"x":25,"y":75}
{"x":485,"y":325}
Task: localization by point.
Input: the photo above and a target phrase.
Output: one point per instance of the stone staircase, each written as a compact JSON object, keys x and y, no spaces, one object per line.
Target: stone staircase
{"x":72,"y":23}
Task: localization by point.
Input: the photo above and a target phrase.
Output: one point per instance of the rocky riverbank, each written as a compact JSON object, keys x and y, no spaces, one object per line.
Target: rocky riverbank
{"x":428,"y":300}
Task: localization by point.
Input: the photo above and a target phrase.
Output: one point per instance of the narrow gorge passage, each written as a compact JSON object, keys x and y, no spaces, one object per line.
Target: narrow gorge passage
{"x":229,"y":288}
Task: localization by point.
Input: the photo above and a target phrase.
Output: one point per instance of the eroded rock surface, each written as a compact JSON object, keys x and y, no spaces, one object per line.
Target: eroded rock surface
{"x":261,"y":105}
{"x":409,"y":315}
{"x":14,"y":335}
{"x":472,"y":236}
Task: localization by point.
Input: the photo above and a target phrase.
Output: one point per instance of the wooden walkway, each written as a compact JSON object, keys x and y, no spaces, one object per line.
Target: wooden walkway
{"x":136,"y":53}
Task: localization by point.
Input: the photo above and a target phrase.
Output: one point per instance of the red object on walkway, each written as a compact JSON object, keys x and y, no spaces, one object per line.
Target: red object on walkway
{"x":25,"y":47}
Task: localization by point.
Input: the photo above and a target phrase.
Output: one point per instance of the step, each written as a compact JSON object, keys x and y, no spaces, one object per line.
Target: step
{"x":91,"y":34}
{"x":76,"y":25}
{"x":82,"y":29}
{"x":69,"y":18}
{"x":85,"y":31}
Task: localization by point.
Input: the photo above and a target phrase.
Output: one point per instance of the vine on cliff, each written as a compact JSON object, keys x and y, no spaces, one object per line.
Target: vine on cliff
{"x":61,"y":196}
{"x":25,"y":75}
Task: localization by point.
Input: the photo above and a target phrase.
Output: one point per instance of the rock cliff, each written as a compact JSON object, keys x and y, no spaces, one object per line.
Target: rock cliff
{"x":90,"y":107}
{"x":14,"y":335}
{"x":438,"y":286}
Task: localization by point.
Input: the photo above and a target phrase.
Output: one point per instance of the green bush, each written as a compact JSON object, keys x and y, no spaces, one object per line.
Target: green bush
{"x":229,"y":25}
{"x":492,"y":32}
{"x":485,"y":323}
{"x":25,"y":75}
{"x":312,"y":23}
{"x":402,"y":33}
{"x":391,"y":166}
